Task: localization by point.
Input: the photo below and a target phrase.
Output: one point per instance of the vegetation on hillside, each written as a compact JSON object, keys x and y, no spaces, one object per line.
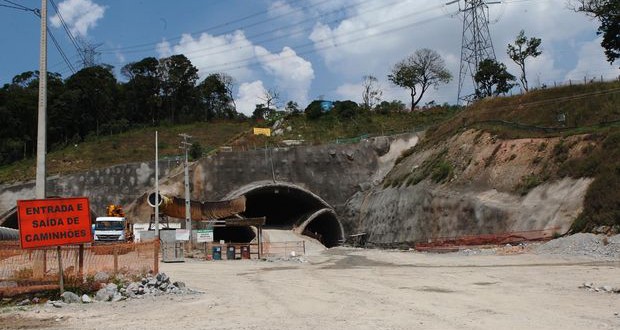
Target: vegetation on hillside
{"x":133,"y":146}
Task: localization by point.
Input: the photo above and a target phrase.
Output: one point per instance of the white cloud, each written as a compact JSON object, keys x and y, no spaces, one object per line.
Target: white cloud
{"x":211,"y":54}
{"x":79,"y":15}
{"x":289,"y":71}
{"x":235,"y":55}
{"x":590,"y":66}
{"x":350,"y":91}
{"x":164,"y":49}
{"x":249,"y":96}
{"x":282,"y":11}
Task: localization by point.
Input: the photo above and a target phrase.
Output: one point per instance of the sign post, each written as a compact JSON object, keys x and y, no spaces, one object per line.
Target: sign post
{"x":54,"y":222}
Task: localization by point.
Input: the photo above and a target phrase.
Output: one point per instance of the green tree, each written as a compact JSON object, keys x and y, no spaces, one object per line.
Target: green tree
{"x":19,"y":110}
{"x":521,"y":50}
{"x":608,"y":13}
{"x":215,"y":97}
{"x":195,"y":151}
{"x":423,"y":69}
{"x":386,"y":107}
{"x":346,"y":109}
{"x":492,"y":78}
{"x":314,"y":110}
{"x":142,"y":91}
{"x":292,"y":107}
{"x":92,"y":98}
{"x":260,"y":112}
{"x":178,"y":77}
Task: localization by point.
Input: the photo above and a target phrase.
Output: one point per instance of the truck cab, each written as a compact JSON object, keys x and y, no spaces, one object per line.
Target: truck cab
{"x":111,"y":229}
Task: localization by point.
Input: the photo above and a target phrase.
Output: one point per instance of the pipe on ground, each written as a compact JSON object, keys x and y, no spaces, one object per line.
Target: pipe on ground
{"x":9,"y":234}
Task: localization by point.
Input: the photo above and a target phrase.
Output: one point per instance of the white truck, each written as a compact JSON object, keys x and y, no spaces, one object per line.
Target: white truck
{"x":112,"y":229}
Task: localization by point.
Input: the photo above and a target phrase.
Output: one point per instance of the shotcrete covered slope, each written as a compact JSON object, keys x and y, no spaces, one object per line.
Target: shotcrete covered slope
{"x":483,"y":193}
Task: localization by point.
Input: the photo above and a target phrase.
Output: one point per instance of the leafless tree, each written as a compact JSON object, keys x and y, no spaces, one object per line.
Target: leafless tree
{"x":372,"y":92}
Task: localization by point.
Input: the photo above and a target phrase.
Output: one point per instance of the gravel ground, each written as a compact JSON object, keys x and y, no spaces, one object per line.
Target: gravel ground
{"x":569,"y":283}
{"x":587,"y":245}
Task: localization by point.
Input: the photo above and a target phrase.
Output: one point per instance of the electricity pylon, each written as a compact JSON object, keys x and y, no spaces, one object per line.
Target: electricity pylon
{"x":476,"y":43}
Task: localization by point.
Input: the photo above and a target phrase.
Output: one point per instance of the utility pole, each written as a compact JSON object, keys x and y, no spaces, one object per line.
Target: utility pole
{"x":156,"y":187}
{"x":476,"y":41}
{"x":185,"y":145}
{"x":40,"y":189}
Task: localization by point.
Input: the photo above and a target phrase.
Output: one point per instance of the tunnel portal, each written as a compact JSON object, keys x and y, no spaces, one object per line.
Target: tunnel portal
{"x":288,"y":206}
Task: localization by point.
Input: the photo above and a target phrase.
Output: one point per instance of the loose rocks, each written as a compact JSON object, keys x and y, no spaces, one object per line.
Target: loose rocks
{"x":589,"y":245}
{"x":605,"y":288}
{"x":70,"y":297}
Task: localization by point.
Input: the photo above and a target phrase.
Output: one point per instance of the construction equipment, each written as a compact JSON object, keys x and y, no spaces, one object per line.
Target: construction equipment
{"x":114,"y":227}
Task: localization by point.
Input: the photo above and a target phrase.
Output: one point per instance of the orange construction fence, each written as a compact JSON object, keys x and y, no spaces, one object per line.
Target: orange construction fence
{"x":31,"y":270}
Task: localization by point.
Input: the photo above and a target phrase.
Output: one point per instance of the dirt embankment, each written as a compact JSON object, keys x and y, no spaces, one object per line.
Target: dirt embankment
{"x":471,"y":184}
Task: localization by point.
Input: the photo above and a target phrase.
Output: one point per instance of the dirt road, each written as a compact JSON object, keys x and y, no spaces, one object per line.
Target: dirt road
{"x":346,"y":288}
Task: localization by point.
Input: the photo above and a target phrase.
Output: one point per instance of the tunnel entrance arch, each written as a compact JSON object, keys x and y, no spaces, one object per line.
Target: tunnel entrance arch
{"x":289,"y":206}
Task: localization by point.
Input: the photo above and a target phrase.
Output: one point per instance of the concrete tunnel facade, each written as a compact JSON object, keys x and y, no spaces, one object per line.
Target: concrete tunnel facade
{"x":287,"y":206}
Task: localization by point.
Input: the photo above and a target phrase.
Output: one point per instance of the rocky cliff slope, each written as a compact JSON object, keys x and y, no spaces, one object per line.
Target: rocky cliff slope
{"x":473,"y":184}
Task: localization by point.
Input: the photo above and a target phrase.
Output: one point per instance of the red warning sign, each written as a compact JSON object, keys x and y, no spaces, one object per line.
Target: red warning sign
{"x":54,"y":221}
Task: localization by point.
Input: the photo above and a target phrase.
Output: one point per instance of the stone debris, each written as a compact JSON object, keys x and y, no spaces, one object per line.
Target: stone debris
{"x":584,"y":244}
{"x":299,"y":259}
{"x":605,"y":288}
{"x":102,"y":277}
{"x":86,"y":299}
{"x":70,"y":297}
{"x":157,"y":285}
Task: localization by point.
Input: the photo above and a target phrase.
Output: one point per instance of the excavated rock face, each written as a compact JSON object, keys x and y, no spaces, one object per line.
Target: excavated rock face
{"x":472,"y":184}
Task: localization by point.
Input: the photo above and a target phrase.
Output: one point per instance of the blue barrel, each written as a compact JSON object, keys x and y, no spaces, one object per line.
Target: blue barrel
{"x":230,"y":252}
{"x":217,"y":253}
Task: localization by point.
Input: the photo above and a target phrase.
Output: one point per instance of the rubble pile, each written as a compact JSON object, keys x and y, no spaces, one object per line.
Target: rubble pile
{"x":151,"y":285}
{"x":584,"y":244}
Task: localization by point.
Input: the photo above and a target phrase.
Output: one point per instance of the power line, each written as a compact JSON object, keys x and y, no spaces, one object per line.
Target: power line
{"x":306,"y":45}
{"x":226,"y":48}
{"x":68,"y":31}
{"x":286,"y":28}
{"x":62,"y":53}
{"x":16,"y":6}
{"x":151,"y":44}
{"x":37,"y":13}
{"x":56,"y":44}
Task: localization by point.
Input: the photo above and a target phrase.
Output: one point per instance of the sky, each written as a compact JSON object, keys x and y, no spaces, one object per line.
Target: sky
{"x":303,"y":49}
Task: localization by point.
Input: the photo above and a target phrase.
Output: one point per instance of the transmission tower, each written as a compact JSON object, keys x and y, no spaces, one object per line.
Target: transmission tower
{"x":89,"y":52}
{"x":476,"y":43}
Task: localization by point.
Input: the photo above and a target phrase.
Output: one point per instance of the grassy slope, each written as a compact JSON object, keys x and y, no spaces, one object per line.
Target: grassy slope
{"x":133,"y":146}
{"x":138,"y":145}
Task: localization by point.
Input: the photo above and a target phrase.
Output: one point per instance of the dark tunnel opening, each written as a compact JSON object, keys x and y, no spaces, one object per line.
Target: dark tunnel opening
{"x":326,"y":229}
{"x":281,"y":205}
{"x":286,"y":207}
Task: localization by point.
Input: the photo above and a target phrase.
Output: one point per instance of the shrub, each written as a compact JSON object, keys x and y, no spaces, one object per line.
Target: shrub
{"x":442,"y":171}
{"x":195,"y":151}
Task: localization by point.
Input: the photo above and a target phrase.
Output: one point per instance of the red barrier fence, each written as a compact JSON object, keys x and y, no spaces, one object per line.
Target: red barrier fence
{"x":451,"y":243}
{"x":23,"y":271}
